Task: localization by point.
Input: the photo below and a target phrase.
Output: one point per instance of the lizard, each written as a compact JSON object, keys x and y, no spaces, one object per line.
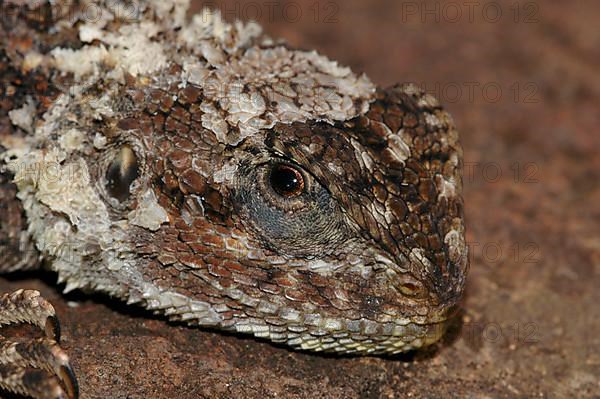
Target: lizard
{"x":205,"y":171}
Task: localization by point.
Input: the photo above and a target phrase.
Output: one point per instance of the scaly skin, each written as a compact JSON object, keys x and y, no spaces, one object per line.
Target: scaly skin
{"x":143,"y":156}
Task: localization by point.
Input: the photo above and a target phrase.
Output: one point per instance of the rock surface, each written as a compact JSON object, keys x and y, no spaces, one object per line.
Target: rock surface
{"x":524,"y":90}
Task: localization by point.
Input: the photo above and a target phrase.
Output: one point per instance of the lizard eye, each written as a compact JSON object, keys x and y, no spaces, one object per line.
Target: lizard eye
{"x":121,"y":173}
{"x":288,"y":208}
{"x":286,"y":180}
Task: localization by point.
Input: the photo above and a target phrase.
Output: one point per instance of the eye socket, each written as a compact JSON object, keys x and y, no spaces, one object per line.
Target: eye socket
{"x":121,"y":173}
{"x":286,"y":180}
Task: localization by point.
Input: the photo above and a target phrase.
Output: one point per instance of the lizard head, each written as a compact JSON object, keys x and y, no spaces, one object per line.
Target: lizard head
{"x":351,"y":226}
{"x":273,"y":192}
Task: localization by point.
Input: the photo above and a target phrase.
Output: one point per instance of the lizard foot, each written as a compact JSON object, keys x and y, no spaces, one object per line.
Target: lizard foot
{"x":36,"y":368}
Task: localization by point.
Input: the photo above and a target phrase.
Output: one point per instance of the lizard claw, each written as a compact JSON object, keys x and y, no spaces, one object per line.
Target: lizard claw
{"x":37,"y":368}
{"x":70,"y":381}
{"x":52,"y":328}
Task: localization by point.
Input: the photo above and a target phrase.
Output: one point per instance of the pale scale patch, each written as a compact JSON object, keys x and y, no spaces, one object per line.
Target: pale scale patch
{"x":335,"y":168}
{"x":208,"y":25}
{"x":100,"y":141}
{"x":322,"y":267}
{"x":258,"y":87}
{"x":433,"y":120}
{"x":133,"y":50}
{"x":23,"y":117}
{"x":455,"y":241}
{"x":71,"y":140}
{"x":417,"y":255}
{"x":195,"y":73}
{"x":130,"y":49}
{"x":367,"y":160}
{"x":398,"y":146}
{"x":448,"y":187}
{"x":174,"y":10}
{"x":173,"y":303}
{"x":428,"y":101}
{"x":80,"y":62}
{"x":32,"y":60}
{"x":148,"y":214}
{"x":226,"y":173}
{"x":247,"y":87}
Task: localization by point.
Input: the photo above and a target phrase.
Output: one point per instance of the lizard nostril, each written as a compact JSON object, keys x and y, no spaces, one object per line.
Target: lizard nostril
{"x":407,"y":284}
{"x":409,"y":287}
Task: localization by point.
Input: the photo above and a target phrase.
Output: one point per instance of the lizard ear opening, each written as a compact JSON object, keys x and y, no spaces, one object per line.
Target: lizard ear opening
{"x":121,"y":173}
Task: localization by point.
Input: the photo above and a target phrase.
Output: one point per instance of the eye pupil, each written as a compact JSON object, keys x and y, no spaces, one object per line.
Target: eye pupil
{"x":121,"y":173}
{"x":286,"y":180}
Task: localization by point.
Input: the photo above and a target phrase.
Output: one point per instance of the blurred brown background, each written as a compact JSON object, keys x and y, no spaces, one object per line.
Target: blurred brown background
{"x":521,"y":79}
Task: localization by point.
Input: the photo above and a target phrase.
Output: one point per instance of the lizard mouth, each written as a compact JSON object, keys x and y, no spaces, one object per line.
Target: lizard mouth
{"x":391,"y":340}
{"x":438,"y":328}
{"x":365,"y":337}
